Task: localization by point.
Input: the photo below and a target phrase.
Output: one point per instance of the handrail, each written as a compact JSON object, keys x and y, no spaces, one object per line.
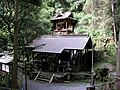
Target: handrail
{"x":51,"y":79}
{"x":37,"y":75}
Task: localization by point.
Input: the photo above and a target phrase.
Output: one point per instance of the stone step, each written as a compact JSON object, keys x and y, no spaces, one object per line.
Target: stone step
{"x":42,"y":79}
{"x":46,"y":77}
{"x":46,"y":74}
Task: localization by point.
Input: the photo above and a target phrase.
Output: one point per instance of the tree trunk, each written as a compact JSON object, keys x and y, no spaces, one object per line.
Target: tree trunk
{"x":113,"y":16}
{"x":118,"y":58}
{"x":16,"y":24}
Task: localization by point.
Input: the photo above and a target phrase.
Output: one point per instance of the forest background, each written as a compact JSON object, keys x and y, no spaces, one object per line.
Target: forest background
{"x":101,"y":22}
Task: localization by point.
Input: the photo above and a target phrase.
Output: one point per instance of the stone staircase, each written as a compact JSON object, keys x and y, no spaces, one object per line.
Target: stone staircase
{"x":43,"y":76}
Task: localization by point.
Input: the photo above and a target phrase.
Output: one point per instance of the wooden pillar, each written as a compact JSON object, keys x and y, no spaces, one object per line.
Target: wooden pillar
{"x":87,"y":61}
{"x":27,"y":55}
{"x":66,"y":25}
{"x":73,"y":54}
{"x":79,"y":60}
{"x":79,"y":55}
{"x":33,"y":55}
{"x":41,"y":61}
{"x":56,"y":25}
{"x":84,"y":61}
{"x":25,"y":76}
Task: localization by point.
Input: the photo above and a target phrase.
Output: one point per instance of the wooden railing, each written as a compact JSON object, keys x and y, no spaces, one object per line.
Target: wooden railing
{"x":105,"y":86}
{"x":5,"y":88}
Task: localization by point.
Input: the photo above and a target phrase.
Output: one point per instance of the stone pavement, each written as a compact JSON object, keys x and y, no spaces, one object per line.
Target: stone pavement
{"x":56,"y":86}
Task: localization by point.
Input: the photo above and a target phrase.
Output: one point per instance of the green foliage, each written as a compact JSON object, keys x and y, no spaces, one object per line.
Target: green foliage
{"x":84,"y":21}
{"x":3,"y":42}
{"x":100,"y":28}
{"x":4,"y":80}
{"x":102,"y":74}
{"x":35,"y":2}
{"x":35,"y":15}
{"x":33,"y":22}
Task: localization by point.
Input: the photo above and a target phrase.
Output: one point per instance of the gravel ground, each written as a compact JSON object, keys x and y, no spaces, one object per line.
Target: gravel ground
{"x":56,"y":86}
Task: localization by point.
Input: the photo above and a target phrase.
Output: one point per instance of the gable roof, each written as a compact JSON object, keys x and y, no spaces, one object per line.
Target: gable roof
{"x":6,"y":59}
{"x":56,"y":44}
{"x":62,"y":16}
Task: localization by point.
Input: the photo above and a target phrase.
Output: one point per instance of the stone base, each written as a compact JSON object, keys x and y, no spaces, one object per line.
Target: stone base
{"x":90,"y":88}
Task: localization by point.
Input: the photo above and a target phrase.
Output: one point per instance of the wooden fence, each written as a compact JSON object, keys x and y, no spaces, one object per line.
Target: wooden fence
{"x":8,"y":77}
{"x":20,"y":77}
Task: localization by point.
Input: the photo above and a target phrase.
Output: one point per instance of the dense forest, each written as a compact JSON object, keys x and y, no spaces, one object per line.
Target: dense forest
{"x":100,"y":19}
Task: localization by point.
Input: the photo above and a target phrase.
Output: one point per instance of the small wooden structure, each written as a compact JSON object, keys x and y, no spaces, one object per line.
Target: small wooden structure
{"x":6,"y":63}
{"x":63,"y":23}
{"x":5,"y":69}
{"x":62,"y":51}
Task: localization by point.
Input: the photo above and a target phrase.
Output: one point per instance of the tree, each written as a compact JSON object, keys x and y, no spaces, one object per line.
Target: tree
{"x":15,"y":60}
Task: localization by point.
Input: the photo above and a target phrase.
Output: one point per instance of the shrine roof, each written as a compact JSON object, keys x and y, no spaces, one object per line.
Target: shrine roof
{"x":57,"y":43}
{"x":65,"y":15}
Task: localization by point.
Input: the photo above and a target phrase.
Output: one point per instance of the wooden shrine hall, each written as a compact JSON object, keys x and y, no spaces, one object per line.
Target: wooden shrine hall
{"x":63,"y":50}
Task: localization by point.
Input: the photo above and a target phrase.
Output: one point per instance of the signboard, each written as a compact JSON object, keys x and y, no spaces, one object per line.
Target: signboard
{"x":5,"y":68}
